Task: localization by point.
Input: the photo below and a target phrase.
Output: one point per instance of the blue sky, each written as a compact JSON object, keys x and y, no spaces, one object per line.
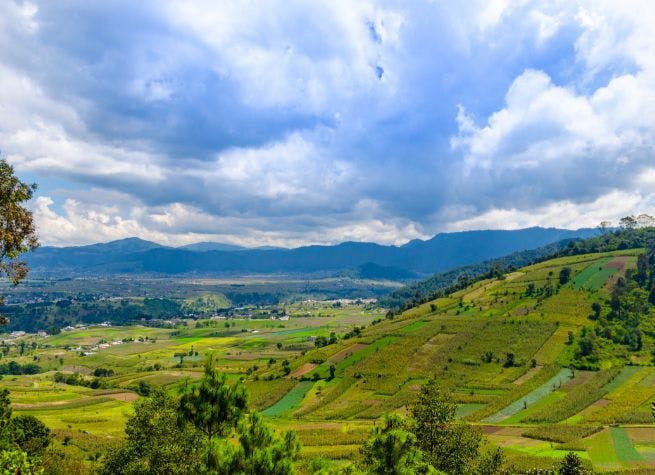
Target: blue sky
{"x":290,"y":123}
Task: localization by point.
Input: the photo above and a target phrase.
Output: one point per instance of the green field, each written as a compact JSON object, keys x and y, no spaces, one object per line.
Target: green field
{"x":290,"y":401}
{"x":502,"y":348}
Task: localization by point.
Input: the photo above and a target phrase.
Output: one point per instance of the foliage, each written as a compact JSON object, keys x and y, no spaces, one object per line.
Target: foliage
{"x":5,"y":412}
{"x":564,"y":275}
{"x":16,"y":462}
{"x":448,"y":446}
{"x":76,"y":379}
{"x":30,"y":434}
{"x":17,"y":232}
{"x":571,"y":465}
{"x":63,"y":462}
{"x":14,"y":368}
{"x":394,"y":450}
{"x":629,"y":313}
{"x":213,"y":406}
{"x":156,"y":442}
{"x":196,"y":434}
{"x":262,"y":452}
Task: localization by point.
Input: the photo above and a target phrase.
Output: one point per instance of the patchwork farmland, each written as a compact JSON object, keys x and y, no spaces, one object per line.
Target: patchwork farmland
{"x":505,"y":348}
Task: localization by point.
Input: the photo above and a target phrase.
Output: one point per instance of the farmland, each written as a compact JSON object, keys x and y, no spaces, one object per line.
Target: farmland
{"x":505,"y":348}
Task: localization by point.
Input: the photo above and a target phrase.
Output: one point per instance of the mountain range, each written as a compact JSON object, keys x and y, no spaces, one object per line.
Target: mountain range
{"x":134,"y":256}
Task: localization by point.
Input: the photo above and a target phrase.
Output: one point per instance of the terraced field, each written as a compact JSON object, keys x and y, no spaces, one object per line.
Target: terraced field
{"x":501,"y":347}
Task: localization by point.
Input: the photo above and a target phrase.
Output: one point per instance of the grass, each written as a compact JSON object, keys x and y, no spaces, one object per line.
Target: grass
{"x":531,"y":398}
{"x":414,"y":326}
{"x":464,"y":410}
{"x":577,"y":398}
{"x":623,"y":446}
{"x":600,"y":448}
{"x":561,"y":433}
{"x":289,"y":401}
{"x":588,"y":276}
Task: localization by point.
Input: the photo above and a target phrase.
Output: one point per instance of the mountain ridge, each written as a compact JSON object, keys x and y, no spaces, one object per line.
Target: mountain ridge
{"x":422,"y":257}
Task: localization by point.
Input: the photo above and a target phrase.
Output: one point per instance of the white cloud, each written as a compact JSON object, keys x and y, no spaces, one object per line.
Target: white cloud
{"x":563,"y":214}
{"x":177,"y":224}
{"x":294,"y":122}
{"x":293,"y":167}
{"x":39,"y":134}
{"x":312,"y":57}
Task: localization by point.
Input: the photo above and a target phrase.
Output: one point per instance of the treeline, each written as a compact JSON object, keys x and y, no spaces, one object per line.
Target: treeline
{"x":14,"y":368}
{"x":52,"y":316}
{"x":76,"y":379}
{"x":626,"y":316}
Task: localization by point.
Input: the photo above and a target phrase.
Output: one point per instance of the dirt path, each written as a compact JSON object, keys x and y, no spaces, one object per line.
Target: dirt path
{"x":343,"y":354}
{"x":302,"y":370}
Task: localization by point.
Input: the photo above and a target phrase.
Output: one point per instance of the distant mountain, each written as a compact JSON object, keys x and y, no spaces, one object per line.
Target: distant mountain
{"x":442,"y":252}
{"x":211,"y":246}
{"x":122,"y":246}
{"x":220,"y":246}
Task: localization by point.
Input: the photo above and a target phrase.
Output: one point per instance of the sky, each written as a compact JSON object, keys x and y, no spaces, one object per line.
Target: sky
{"x":289,"y":122}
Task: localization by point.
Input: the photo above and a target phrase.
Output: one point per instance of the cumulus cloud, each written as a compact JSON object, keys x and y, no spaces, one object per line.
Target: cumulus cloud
{"x":177,"y":224}
{"x":292,"y":122}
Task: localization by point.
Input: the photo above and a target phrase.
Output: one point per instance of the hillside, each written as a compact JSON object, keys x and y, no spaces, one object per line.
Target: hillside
{"x":551,"y":357}
{"x":136,"y":257}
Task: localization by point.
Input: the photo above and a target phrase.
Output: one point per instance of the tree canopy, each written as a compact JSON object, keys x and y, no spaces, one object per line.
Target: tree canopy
{"x":17,"y":232}
{"x":206,"y":430}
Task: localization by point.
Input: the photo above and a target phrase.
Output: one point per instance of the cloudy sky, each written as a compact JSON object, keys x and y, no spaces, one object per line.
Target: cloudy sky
{"x":288,"y":123}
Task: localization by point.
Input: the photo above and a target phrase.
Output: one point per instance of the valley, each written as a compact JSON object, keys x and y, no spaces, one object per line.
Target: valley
{"x":507,"y":348}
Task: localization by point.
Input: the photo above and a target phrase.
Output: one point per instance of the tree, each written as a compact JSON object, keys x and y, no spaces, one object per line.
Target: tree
{"x":262,"y":451}
{"x":17,"y":233}
{"x":16,"y":462}
{"x":205,"y":431}
{"x":490,"y":462}
{"x":156,"y":442}
{"x":604,"y":227}
{"x":213,"y":406}
{"x":333,"y":370}
{"x":5,"y":412}
{"x":447,"y":445}
{"x":571,"y":465}
{"x":393,"y":450}
{"x":564,"y":275}
{"x":645,"y":220}
{"x":596,"y":308}
{"x":628,"y":222}
{"x":181,"y":355}
{"x":510,"y":360}
{"x":30,"y":434}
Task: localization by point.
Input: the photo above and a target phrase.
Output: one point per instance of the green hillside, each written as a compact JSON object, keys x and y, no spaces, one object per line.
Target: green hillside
{"x":549,"y":358}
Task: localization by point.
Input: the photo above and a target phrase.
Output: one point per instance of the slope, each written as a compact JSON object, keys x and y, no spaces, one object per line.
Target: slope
{"x":513,"y":352}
